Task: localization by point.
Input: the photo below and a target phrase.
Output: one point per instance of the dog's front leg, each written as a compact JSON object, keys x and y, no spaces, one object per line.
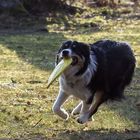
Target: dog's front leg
{"x":61,"y":98}
{"x":77,"y":109}
{"x":84,"y":116}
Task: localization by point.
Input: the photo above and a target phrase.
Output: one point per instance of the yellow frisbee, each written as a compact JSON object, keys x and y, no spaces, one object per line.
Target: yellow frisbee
{"x":59,"y":69}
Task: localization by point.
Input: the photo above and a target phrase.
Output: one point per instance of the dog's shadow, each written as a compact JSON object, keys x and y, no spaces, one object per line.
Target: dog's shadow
{"x":106,"y":134}
{"x":100,"y":134}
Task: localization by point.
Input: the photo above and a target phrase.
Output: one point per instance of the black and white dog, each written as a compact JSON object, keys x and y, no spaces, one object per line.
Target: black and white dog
{"x":98,"y":72}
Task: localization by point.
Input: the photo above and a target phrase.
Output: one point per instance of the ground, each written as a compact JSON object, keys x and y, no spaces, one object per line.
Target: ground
{"x":27,"y":59}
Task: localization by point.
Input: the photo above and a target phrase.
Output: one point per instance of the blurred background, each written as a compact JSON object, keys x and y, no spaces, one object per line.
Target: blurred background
{"x":40,"y":14}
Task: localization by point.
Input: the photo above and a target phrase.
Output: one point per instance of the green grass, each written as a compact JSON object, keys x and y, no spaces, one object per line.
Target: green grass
{"x":26,"y":62}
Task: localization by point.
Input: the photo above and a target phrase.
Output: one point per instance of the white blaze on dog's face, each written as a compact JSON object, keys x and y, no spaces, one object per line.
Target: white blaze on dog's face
{"x":80,"y":54}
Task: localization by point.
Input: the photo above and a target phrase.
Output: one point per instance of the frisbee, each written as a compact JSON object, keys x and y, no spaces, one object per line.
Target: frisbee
{"x":59,"y":69}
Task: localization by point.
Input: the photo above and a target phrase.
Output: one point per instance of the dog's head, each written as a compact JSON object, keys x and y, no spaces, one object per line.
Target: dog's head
{"x":80,"y":54}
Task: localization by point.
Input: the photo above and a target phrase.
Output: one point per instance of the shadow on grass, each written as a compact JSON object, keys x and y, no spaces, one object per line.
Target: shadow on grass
{"x":38,"y":49}
{"x":100,"y":135}
{"x":84,"y":135}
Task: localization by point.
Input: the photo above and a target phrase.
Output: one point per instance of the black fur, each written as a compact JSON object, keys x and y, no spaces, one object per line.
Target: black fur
{"x":115,"y":68}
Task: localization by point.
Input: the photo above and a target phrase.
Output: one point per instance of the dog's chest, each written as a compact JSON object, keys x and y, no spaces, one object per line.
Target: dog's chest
{"x":76,"y":88}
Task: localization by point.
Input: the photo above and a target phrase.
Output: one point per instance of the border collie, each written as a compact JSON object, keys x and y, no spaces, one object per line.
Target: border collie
{"x":98,"y":72}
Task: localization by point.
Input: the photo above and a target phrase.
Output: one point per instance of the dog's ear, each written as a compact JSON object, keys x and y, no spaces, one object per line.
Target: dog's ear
{"x":84,"y":49}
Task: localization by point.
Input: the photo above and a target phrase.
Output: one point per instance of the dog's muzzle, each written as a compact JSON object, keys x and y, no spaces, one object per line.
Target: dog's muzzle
{"x":66,"y":54}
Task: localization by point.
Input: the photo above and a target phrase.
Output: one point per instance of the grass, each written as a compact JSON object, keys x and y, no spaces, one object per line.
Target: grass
{"x":26,"y":62}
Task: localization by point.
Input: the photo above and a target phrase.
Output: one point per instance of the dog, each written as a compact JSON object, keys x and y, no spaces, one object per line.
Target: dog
{"x":99,"y":72}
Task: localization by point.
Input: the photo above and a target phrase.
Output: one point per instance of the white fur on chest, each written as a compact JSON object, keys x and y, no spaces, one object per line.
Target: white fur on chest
{"x":76,"y":86}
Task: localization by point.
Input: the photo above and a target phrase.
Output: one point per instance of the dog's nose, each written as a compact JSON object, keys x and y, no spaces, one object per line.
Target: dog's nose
{"x":65,"y":53}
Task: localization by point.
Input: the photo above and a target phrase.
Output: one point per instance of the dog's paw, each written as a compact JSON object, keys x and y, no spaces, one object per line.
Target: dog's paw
{"x":74,"y":112}
{"x":79,"y":120}
{"x":65,"y":115}
{"x":83,"y":119}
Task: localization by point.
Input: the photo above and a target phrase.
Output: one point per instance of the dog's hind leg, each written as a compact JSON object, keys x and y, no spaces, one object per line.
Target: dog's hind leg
{"x":61,"y":98}
{"x":99,"y":98}
{"x":77,"y":109}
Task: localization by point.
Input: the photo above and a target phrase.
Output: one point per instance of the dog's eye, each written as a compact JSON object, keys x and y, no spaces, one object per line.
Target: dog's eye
{"x":74,"y":60}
